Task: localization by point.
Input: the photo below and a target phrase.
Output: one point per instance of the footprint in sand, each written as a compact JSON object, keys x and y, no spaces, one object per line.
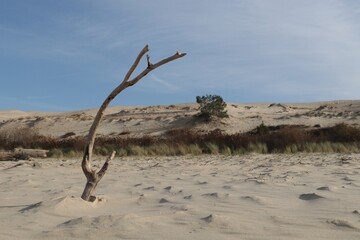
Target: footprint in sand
{"x":252,"y":199}
{"x":356,"y":212}
{"x":347,"y":179}
{"x":213,"y":195}
{"x":168,"y":188}
{"x":309,"y":196}
{"x":30,"y":207}
{"x":342,"y":224}
{"x":164,"y":200}
{"x":188,"y":197}
{"x":182,"y":208}
{"x":202,"y":182}
{"x":208,"y":219}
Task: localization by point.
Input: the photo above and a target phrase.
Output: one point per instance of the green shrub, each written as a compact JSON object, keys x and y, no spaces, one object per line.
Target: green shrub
{"x":211,"y":106}
{"x":262,"y":129}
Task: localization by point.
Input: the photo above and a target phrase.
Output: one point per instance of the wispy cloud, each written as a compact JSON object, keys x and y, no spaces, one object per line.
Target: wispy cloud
{"x":168,"y":86}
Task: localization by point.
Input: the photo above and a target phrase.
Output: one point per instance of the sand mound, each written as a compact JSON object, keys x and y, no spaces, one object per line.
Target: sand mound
{"x":62,"y":206}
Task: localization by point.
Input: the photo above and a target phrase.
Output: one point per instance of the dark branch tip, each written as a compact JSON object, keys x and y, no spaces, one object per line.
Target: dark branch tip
{"x":148,"y":60}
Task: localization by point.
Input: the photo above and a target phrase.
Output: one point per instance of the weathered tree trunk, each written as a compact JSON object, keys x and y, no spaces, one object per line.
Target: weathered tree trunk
{"x":93,"y":177}
{"x":32,"y":152}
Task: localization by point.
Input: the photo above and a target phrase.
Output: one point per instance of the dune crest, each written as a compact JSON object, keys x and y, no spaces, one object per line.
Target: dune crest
{"x":138,"y":121}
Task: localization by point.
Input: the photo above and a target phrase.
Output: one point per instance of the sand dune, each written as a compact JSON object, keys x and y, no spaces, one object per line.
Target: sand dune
{"x":156,"y":120}
{"x":304,"y":196}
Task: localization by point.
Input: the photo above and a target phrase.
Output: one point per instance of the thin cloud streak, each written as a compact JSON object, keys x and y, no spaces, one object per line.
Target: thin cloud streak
{"x":164,"y":83}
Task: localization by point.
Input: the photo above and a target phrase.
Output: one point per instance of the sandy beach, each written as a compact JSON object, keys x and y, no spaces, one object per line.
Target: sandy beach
{"x":302,"y":196}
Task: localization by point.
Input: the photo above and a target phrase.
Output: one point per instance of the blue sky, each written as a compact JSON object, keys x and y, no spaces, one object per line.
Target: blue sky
{"x":69,"y":54}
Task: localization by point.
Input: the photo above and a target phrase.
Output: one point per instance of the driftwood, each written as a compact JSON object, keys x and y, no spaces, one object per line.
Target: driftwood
{"x":22,"y":154}
{"x":6,"y":155}
{"x":92,"y":175}
{"x":31,"y":152}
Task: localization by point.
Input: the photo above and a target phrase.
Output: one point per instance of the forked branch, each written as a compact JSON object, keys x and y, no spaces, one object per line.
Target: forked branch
{"x":92,"y":176}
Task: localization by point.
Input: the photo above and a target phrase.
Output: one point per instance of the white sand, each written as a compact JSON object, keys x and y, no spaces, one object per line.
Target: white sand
{"x":207,"y":197}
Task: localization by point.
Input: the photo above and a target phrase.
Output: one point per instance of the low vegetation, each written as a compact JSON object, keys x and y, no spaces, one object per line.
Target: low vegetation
{"x":211,"y":106}
{"x":341,"y":138}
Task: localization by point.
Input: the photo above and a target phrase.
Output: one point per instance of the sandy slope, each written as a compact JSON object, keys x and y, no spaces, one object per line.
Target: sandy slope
{"x":209,"y":197}
{"x":155,"y":120}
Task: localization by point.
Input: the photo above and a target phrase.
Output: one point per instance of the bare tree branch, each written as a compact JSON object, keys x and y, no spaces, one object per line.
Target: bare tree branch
{"x":136,"y":63}
{"x":92,"y":176}
{"x":106,"y":164}
{"x":154,"y":66}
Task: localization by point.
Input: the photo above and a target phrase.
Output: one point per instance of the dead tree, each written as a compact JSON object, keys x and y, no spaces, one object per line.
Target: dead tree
{"x":92,"y":175}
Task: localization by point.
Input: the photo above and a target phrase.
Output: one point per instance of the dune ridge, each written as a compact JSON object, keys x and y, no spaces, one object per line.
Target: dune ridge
{"x":138,"y":121}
